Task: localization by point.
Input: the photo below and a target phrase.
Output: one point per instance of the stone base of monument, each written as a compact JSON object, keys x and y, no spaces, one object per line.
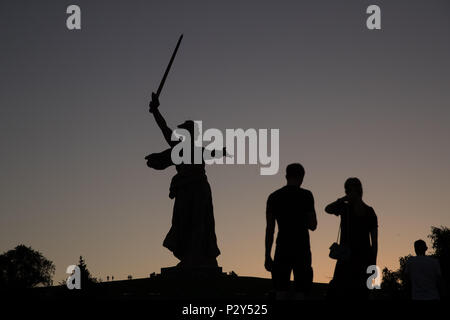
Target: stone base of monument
{"x":178,"y":272}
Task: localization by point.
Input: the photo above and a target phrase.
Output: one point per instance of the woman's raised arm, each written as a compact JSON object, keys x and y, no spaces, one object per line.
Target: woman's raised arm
{"x":336,"y":207}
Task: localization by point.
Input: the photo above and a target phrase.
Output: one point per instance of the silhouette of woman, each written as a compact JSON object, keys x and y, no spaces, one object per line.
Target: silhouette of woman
{"x":191,"y":238}
{"x":359,"y":233}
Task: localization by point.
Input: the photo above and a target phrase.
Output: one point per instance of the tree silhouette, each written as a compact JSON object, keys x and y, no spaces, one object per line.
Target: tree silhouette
{"x":87,"y":280}
{"x":440,"y":238}
{"x":395,"y":283}
{"x":23,"y":267}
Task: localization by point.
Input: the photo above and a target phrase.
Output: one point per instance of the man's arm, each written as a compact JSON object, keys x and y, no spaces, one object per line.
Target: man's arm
{"x":440,"y":281}
{"x":374,"y":242}
{"x":270,"y":230}
{"x":312,"y":218}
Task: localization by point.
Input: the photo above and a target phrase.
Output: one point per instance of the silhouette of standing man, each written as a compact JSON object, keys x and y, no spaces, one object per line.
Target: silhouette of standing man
{"x":292,"y":207}
{"x":424,"y":273}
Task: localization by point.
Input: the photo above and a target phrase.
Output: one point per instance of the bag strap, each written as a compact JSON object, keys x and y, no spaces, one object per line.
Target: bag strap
{"x":347,"y":217}
{"x":339,"y":231}
{"x":347,"y":212}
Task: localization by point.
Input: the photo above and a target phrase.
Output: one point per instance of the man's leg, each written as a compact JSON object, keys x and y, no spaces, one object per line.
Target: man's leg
{"x":281,"y":275}
{"x":303,"y":274}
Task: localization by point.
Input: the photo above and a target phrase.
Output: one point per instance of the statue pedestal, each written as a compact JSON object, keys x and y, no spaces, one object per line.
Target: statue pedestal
{"x":191,"y":272}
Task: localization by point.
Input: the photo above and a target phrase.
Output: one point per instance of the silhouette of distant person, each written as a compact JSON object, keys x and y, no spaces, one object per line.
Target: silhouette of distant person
{"x":292,"y":207}
{"x":359,"y":233}
{"x":191,"y":238}
{"x":424,"y":274}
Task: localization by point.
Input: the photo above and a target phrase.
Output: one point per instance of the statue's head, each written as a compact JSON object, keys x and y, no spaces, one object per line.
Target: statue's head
{"x":191,"y":127}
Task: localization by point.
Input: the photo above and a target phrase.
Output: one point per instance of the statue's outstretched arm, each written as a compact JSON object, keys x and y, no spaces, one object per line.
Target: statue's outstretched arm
{"x":216,"y":154}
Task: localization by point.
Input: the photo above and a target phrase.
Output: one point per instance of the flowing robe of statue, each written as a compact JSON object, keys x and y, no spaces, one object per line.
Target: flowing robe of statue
{"x":192,"y":237}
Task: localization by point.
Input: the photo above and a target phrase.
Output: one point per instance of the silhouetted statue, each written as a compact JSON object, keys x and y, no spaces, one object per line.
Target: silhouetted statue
{"x":424,"y":274}
{"x":192,"y":237}
{"x":292,"y":207}
{"x":359,"y":233}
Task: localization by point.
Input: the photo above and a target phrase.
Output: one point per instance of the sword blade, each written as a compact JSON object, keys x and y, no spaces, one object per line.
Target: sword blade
{"x":163,"y":80}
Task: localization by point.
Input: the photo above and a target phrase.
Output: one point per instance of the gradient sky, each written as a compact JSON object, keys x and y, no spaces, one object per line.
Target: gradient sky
{"x":74,"y":122}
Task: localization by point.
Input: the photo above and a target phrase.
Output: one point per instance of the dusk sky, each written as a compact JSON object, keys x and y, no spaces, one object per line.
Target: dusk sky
{"x":348,"y":101}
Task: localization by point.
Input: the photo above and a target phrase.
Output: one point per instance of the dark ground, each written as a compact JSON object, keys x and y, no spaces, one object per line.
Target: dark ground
{"x":169,"y":285}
